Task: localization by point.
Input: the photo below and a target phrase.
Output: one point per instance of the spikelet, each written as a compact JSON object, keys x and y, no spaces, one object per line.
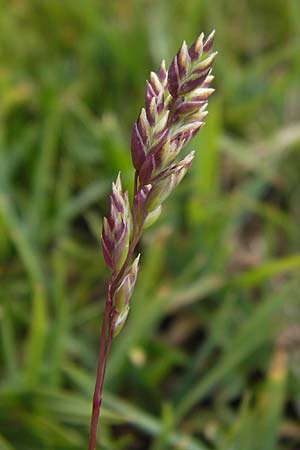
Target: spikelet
{"x":117,"y":228}
{"x":122,"y":296}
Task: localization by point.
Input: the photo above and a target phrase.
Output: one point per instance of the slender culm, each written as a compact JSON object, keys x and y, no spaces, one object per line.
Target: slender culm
{"x":174,"y":111}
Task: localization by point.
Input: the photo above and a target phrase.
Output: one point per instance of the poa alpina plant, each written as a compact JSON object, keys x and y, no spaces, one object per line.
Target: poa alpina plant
{"x":174,"y":111}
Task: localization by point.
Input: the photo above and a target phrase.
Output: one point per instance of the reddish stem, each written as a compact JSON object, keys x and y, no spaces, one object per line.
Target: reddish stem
{"x":97,"y":398}
{"x":108,"y":345}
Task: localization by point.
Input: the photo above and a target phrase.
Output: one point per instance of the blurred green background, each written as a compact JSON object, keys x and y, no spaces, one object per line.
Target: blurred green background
{"x":210,"y":356}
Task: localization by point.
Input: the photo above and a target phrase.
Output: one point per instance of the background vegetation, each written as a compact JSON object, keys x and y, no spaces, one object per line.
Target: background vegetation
{"x":210,"y":357}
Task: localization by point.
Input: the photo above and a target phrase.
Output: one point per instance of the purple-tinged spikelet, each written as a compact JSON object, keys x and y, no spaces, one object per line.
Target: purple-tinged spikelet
{"x":168,"y":181}
{"x":117,"y":228}
{"x":122,"y":296}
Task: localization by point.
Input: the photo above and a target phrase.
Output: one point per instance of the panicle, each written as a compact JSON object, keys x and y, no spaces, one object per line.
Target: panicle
{"x":174,"y":111}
